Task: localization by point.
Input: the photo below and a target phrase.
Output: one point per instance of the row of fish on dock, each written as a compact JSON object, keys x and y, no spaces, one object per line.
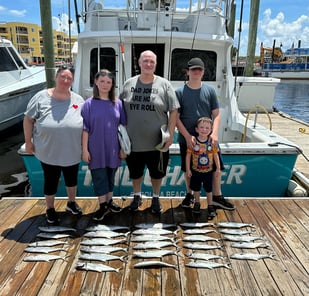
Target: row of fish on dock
{"x":152,"y":241}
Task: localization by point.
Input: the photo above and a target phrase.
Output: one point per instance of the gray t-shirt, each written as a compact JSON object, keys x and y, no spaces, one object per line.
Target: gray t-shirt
{"x":57,"y":128}
{"x":147,"y":107}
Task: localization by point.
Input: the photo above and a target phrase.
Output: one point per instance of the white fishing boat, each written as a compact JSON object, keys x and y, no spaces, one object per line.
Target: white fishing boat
{"x":18,"y":83}
{"x":258,"y":162}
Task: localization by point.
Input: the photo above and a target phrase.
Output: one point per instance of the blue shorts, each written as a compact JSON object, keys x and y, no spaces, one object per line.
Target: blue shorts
{"x":198,"y":180}
{"x":155,"y":161}
{"x":103,"y":180}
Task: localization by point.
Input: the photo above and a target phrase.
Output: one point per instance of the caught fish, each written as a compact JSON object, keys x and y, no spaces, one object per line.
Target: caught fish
{"x":102,"y":242}
{"x":105,"y":234}
{"x":250,"y":245}
{"x":154,"y":245}
{"x":153,"y":264}
{"x":242,"y":238}
{"x":43,"y":257}
{"x":251,"y":256}
{"x":198,"y":231}
{"x":101,"y":227}
{"x":200,"y":246}
{"x":99,"y":267}
{"x":154,"y":254}
{"x":196,"y":224}
{"x":100,"y":257}
{"x":159,"y":231}
{"x":47,"y":243}
{"x":101,"y":249}
{"x":234,"y":225}
{"x":56,"y":229}
{"x":209,"y":265}
{"x":44,"y":250}
{"x":154,"y":225}
{"x":52,"y":235}
{"x":235,"y":231}
{"x":150,"y":237}
{"x":199,"y":238}
{"x":203,"y":256}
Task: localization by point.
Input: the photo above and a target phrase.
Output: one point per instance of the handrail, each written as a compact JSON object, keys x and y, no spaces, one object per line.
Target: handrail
{"x":256,"y":108}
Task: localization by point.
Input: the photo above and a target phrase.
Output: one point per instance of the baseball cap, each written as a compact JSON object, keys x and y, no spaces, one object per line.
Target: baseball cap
{"x":196,"y":63}
{"x":164,"y":137}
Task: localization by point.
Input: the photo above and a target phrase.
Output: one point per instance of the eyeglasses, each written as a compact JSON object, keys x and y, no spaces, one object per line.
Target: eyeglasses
{"x":65,"y":77}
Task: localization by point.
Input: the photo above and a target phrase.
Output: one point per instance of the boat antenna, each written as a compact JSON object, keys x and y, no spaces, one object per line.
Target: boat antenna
{"x":170,"y":49}
{"x":77,"y":16}
{"x":195,"y":30}
{"x":238,"y":45}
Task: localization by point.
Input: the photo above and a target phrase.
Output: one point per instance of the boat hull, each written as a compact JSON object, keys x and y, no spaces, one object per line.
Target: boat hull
{"x":245,"y":175}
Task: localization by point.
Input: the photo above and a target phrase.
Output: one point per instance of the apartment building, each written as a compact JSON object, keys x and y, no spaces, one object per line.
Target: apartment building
{"x":28,"y":40}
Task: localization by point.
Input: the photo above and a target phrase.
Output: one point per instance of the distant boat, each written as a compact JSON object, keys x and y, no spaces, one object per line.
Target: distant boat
{"x":18,"y":83}
{"x":294,"y":64}
{"x":258,"y":162}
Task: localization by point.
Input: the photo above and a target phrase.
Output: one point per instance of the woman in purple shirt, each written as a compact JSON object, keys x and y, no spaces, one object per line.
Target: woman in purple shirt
{"x":102,"y":114}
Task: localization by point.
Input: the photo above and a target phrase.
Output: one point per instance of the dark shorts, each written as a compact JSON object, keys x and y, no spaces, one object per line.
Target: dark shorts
{"x":52,"y":175}
{"x":198,"y":180}
{"x":103,"y":180}
{"x":183,"y":153}
{"x":155,"y":161}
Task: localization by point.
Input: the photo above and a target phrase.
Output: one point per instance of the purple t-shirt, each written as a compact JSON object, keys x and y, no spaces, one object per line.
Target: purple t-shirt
{"x":101,"y":120}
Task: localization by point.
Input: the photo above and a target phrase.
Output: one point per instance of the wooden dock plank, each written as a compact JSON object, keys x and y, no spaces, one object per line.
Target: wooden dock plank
{"x":284,"y":222}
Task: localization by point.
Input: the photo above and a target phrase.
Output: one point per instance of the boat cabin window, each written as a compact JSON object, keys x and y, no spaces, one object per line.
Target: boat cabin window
{"x":180,"y":58}
{"x":105,"y":60}
{"x":6,"y":61}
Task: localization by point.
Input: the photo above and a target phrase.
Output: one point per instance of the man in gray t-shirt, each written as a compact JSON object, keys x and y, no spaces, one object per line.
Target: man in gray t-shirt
{"x":150,"y":102}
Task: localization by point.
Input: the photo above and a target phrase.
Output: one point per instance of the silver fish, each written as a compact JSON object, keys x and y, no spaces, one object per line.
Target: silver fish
{"x":199,"y":238}
{"x":102,"y":242}
{"x":251,"y":256}
{"x":196,"y":224}
{"x":52,"y":235}
{"x":102,"y":249}
{"x":56,"y":229}
{"x":101,"y":227}
{"x":153,"y":264}
{"x":100,"y":257}
{"x":47,"y":243}
{"x":198,"y":231}
{"x":200,"y":246}
{"x":105,"y":234}
{"x":250,"y":245}
{"x":154,"y":225}
{"x":154,"y":254}
{"x":149,"y":237}
{"x":45,"y":250}
{"x":235,"y":231}
{"x":234,"y":225}
{"x":209,"y":265}
{"x":154,"y":245}
{"x":44,"y":257}
{"x":203,"y":256}
{"x":242,"y":238}
{"x":159,"y":231}
{"x":99,"y":267}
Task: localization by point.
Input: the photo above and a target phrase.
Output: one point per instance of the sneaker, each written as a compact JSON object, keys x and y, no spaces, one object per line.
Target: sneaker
{"x":52,"y":216}
{"x":211,"y":212}
{"x":220,"y":202}
{"x":74,"y":208}
{"x":101,"y":212}
{"x":187,"y":201}
{"x":114,"y":207}
{"x":156,"y":206}
{"x":136,"y":203}
{"x":196,"y":208}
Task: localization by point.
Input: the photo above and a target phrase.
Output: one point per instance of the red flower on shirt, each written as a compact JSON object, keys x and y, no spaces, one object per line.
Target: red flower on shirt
{"x":75,"y":106}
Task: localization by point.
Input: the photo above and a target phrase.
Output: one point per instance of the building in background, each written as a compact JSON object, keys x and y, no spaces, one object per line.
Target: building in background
{"x":28,"y":40}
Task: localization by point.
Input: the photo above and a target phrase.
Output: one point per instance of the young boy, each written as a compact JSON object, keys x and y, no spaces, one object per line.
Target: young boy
{"x":199,"y":165}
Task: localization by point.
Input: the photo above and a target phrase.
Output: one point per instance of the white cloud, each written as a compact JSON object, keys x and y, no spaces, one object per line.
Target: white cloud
{"x":19,"y":13}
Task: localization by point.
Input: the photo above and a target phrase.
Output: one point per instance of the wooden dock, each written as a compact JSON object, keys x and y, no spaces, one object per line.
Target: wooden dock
{"x":283,"y":223}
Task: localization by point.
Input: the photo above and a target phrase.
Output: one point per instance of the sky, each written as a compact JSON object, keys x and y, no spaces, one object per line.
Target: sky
{"x":286,"y":21}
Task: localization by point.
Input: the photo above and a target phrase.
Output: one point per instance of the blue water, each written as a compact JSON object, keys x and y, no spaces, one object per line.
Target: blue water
{"x":292,"y":98}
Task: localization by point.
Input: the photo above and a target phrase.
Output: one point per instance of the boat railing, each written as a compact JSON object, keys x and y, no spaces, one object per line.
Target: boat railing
{"x":147,"y":14}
